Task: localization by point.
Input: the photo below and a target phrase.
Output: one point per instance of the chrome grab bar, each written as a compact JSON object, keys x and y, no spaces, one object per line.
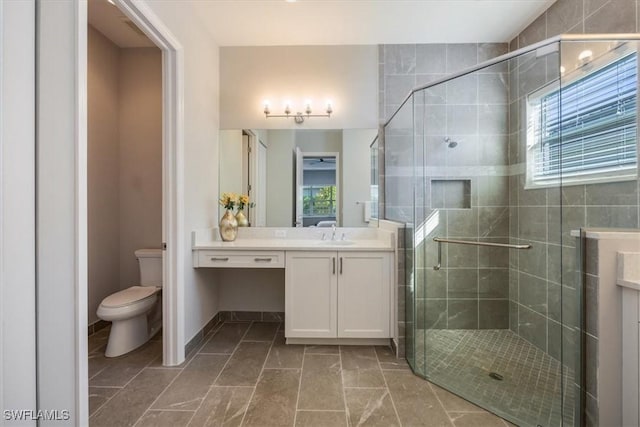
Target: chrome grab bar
{"x":440,"y":241}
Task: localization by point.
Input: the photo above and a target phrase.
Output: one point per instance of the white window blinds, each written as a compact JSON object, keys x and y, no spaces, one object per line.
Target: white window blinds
{"x":587,"y":130}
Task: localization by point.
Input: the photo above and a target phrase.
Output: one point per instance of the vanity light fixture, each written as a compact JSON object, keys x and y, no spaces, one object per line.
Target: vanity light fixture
{"x":299,"y":116}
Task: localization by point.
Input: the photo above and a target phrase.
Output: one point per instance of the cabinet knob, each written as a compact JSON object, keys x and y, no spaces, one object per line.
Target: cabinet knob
{"x":220,"y":259}
{"x":262,"y":259}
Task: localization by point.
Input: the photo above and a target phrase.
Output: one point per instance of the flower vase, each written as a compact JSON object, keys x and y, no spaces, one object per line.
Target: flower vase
{"x":242,"y":220}
{"x":228,"y":227}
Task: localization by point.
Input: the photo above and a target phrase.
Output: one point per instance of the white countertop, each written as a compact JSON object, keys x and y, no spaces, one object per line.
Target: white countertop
{"x":629,"y":270}
{"x":295,"y":245}
{"x":609,"y":233}
{"x":263,"y":239}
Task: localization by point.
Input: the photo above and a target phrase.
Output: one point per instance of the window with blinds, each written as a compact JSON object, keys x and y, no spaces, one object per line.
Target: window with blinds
{"x":586,"y":131}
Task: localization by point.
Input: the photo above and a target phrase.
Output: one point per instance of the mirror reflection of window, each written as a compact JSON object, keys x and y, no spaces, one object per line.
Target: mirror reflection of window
{"x":319,"y":191}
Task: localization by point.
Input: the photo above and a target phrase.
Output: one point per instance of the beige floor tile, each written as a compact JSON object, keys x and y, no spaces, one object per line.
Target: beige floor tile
{"x":192,"y":384}
{"x":97,"y":344}
{"x":388,"y":359}
{"x":360,"y":367}
{"x":165,"y":419}
{"x":226,"y":338}
{"x":120,"y":370}
{"x":415,"y":402}
{"x":223,"y":406}
{"x":453,"y":403}
{"x":322,"y":349}
{"x":370,"y":407}
{"x":321,"y":383}
{"x":244,"y":367}
{"x":321,"y":419}
{"x":127,"y":406}
{"x":274,"y":402}
{"x":97,"y":362}
{"x":262,"y":331}
{"x":98,"y":396}
{"x":284,"y":355}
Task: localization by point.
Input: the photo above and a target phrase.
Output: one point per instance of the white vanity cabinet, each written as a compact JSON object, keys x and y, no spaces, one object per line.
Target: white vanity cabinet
{"x":311,"y":294}
{"x":343,"y":294}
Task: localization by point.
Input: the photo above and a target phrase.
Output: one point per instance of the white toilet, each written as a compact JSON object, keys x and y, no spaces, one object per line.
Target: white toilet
{"x":136,"y":312}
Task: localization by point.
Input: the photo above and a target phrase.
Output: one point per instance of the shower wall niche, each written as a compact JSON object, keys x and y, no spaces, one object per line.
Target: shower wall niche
{"x":500,"y":163}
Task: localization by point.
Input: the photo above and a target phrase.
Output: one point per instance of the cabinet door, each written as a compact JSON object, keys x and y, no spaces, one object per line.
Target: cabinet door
{"x":311,"y":294}
{"x":364,"y":294}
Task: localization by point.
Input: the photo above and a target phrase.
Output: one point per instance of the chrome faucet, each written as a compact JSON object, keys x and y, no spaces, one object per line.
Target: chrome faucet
{"x":333,"y":232}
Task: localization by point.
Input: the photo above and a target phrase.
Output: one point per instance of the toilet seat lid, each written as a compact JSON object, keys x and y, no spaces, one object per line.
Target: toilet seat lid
{"x":129,"y":296}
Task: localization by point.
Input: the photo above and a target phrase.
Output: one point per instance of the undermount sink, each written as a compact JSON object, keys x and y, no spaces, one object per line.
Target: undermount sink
{"x":337,"y":242}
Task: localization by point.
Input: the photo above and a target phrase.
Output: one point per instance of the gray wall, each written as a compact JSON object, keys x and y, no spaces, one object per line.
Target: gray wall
{"x":124,"y":163}
{"x":140,"y":123}
{"x":103,"y":170}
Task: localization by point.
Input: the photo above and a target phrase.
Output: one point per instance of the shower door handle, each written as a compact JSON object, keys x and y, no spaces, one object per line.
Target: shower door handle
{"x":440,"y":241}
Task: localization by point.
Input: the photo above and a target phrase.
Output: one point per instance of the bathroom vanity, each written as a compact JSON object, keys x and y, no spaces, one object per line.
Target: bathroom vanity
{"x":338,"y":286}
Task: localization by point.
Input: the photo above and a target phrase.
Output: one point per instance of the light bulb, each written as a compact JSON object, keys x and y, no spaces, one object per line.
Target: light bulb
{"x":267,"y":109}
{"x":307,"y":106}
{"x":329,"y":107}
{"x":287,"y":107}
{"x":585,"y":55}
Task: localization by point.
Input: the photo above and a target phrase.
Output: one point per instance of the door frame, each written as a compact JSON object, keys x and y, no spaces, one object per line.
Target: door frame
{"x":172,"y":175}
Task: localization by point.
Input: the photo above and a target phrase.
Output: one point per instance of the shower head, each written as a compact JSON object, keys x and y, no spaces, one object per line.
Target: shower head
{"x":450,"y":142}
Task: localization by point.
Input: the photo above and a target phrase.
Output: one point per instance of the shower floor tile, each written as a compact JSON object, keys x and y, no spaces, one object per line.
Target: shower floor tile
{"x":529,"y":391}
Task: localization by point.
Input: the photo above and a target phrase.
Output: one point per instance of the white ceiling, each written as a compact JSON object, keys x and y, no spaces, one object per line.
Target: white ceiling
{"x":338,"y":22}
{"x":331,"y":22}
{"x":108,"y":19}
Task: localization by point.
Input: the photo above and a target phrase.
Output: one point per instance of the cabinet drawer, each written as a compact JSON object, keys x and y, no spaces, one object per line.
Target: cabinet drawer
{"x":241,"y":259}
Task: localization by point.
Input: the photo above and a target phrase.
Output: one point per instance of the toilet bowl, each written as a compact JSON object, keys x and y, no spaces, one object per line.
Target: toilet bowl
{"x":135,"y":312}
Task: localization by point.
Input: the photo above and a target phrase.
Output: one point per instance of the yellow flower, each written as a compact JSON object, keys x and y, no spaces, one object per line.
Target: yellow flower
{"x":244,"y":199}
{"x":229,"y":200}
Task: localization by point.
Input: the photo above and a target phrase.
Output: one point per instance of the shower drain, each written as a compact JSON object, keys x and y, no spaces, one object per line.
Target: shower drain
{"x":496,"y":376}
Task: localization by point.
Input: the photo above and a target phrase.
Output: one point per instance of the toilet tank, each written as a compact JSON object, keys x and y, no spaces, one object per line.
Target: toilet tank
{"x":150,"y":262}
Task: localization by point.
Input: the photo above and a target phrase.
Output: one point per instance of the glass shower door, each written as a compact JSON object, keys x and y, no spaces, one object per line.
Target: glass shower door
{"x":486,"y":274}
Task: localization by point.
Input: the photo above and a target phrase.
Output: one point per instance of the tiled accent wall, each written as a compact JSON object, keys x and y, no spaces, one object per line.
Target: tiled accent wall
{"x":470,"y":291}
{"x":534,"y":217}
{"x":535,"y":214}
{"x":597,"y":205}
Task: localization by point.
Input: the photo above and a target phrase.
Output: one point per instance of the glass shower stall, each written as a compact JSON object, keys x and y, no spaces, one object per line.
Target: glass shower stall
{"x":489,"y":169}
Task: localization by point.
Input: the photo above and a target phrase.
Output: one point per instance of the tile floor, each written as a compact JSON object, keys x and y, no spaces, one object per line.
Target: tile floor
{"x":245,"y":374}
{"x":530,"y":392}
